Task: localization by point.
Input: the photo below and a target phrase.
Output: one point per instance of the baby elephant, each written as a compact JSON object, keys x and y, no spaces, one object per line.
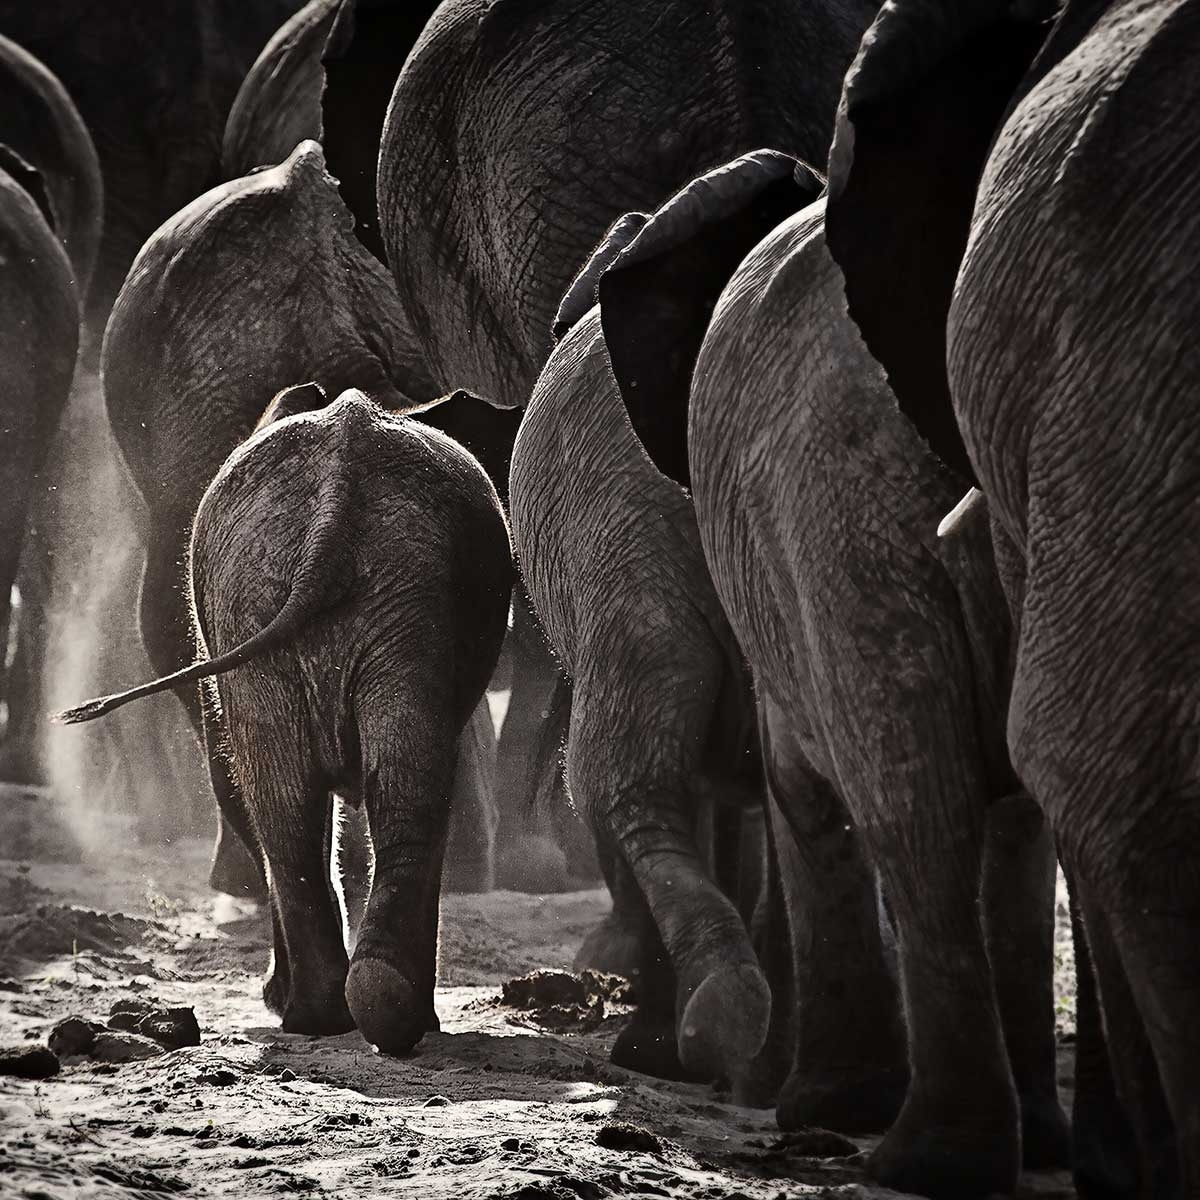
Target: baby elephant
{"x":360,"y":563}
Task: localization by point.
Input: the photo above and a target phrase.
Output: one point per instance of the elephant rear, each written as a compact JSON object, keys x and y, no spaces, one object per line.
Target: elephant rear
{"x":406,"y":605}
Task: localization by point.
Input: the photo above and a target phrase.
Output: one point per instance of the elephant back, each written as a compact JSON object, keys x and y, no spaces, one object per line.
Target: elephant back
{"x":45,"y":135}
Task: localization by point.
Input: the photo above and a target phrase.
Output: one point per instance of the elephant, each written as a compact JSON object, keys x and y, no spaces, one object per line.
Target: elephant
{"x":1049,"y":308}
{"x":328,"y":74}
{"x":360,"y":561}
{"x":259,"y":283}
{"x":661,"y":724}
{"x":153,"y":84}
{"x":879,"y":654}
{"x":515,"y":138}
{"x":39,"y":339}
{"x":45,"y":148}
{"x":492,"y":192}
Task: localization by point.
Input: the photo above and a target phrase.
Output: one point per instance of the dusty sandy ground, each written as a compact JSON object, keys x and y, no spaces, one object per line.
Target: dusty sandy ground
{"x":496,"y":1105}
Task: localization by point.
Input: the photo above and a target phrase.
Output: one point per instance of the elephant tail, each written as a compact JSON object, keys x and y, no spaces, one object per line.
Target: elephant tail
{"x":316,"y":587}
{"x":548,"y":766}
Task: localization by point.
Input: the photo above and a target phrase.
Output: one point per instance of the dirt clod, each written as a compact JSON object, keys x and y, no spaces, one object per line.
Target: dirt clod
{"x":118,"y":1046}
{"x":618,"y":1135}
{"x":127,"y":1013}
{"x":28,"y":1062}
{"x":565,"y":1001}
{"x":171,"y":1027}
{"x":814,"y":1143}
{"x":74,"y":1035}
{"x":221,"y":1077}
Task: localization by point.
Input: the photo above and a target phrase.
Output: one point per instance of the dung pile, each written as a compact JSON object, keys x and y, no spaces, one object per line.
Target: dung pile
{"x":567,"y":1002}
{"x":135,"y":1030}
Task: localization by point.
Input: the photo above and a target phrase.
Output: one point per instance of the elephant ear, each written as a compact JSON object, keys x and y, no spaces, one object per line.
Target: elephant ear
{"x":279,"y":102}
{"x":658,"y":295}
{"x":299,"y":398}
{"x":30,"y":179}
{"x":486,"y":431}
{"x":580,"y":297}
{"x":929,"y":89}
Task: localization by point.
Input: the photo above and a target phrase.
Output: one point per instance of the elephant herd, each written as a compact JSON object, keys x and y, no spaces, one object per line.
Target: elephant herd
{"x":796,"y":397}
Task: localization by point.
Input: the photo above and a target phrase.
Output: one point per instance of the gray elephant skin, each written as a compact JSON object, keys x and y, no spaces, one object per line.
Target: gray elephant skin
{"x":46,"y":149}
{"x":46,"y":146}
{"x":1059,"y":291}
{"x":493,"y":191}
{"x":158,"y":133}
{"x":328,"y":75}
{"x":879,"y":656}
{"x":184,"y":383}
{"x":39,"y":337}
{"x":361,"y":562}
{"x":494,"y":188}
{"x":661,"y":719}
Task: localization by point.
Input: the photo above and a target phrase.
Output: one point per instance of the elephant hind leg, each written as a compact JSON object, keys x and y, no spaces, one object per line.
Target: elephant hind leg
{"x":282,"y":809}
{"x":917,"y":788}
{"x":849,"y":1068}
{"x":648,"y":1042}
{"x":1019,"y":882}
{"x":407,"y":778}
{"x":1141,"y":930}
{"x":1104,"y":1151}
{"x":722,"y":1000}
{"x":166,"y":629}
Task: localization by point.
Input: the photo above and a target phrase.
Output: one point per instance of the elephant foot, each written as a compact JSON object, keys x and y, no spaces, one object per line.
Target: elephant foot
{"x":387,"y":1006}
{"x":235,"y":871}
{"x":949,"y":1151}
{"x":323,"y":1013}
{"x":611,"y":948}
{"x":1104,"y":1155}
{"x":849,"y":1103}
{"x":725,"y":1022}
{"x":758,"y":1084}
{"x":533,"y":864}
{"x":650,"y":1048}
{"x":1045,"y":1134}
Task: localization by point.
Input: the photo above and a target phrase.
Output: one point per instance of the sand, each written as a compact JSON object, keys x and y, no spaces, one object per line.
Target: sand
{"x":501,"y":1103}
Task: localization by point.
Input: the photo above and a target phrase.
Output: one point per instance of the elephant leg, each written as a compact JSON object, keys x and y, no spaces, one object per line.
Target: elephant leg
{"x":474,"y":815}
{"x":759,"y":1085}
{"x":290,"y":810}
{"x":849,"y":1070}
{"x":1142,"y":1064}
{"x":922,"y":806}
{"x":1104,"y":1152}
{"x":528,"y":858}
{"x":407,"y":777}
{"x":757,"y":873}
{"x":1019,"y":878}
{"x":722,"y":1002}
{"x":22,"y":756}
{"x":170,"y":645}
{"x":614,"y":945}
{"x":648,"y":1042}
